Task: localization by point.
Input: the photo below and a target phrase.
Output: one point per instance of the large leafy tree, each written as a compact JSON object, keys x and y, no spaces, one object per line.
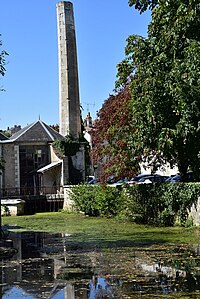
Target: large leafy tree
{"x":166,"y":85}
{"x":111,"y":133}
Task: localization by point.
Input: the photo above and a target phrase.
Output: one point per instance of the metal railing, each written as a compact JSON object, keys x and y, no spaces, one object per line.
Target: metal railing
{"x":47,"y":199}
{"x":18,"y":192}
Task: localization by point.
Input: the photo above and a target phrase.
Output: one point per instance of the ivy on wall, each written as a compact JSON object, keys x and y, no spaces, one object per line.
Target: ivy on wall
{"x":69,"y":145}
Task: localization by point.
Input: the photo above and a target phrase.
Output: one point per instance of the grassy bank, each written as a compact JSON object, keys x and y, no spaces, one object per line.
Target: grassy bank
{"x":97,"y":229}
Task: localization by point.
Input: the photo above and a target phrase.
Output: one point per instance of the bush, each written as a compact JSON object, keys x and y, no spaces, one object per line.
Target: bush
{"x":97,"y":200}
{"x":157,"y":204}
{"x":144,"y":202}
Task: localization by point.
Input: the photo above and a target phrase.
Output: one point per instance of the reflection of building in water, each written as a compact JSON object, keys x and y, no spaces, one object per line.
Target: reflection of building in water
{"x":69,"y":292}
{"x":33,"y":274}
{"x":57,"y":269}
{"x":100,"y":288}
{"x":37,"y":272}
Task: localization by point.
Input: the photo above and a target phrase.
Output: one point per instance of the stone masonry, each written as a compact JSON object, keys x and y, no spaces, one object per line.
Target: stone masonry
{"x":69,"y":102}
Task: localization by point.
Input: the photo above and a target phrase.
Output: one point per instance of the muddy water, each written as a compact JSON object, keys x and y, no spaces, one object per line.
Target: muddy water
{"x":53,"y":266}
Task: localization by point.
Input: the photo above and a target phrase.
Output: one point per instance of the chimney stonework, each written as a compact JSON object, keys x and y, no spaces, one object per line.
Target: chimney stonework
{"x":69,"y":102}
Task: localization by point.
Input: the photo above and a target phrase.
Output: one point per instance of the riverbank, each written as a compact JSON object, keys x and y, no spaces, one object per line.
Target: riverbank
{"x":101,"y":230}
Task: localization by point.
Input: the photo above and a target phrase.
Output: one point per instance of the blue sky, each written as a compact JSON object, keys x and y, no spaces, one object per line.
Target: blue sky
{"x":29,"y":35}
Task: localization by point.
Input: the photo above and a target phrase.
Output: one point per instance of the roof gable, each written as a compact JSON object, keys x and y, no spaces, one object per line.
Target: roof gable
{"x":37,"y":131}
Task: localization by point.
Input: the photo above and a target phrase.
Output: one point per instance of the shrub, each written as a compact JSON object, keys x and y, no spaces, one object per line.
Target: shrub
{"x":157,"y":204}
{"x":98,"y":200}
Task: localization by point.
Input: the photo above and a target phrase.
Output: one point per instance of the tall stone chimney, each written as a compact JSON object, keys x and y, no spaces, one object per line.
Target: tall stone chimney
{"x":69,"y":102}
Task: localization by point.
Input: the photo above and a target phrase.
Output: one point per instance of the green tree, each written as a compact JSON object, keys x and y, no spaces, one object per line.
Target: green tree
{"x":165,"y":85}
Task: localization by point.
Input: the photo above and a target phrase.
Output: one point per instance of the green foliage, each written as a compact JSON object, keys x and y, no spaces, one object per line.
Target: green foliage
{"x":143,"y":5}
{"x":164,"y":70}
{"x":7,"y":134}
{"x":5,"y":210}
{"x":97,"y":200}
{"x":179,"y":199}
{"x":156,"y":204}
{"x":162,"y":204}
{"x":189,"y":222}
{"x":68,"y":146}
{"x":144,"y":203}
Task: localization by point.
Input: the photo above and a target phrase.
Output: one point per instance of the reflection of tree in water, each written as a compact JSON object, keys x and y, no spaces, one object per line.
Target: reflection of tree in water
{"x":187,"y":263}
{"x":173,"y":273}
{"x":156,"y":270}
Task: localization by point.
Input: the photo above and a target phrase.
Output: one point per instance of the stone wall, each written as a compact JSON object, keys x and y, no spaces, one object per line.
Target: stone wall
{"x":195,"y":213}
{"x":68,"y":203}
{"x":10,"y":173}
{"x":12,"y":207}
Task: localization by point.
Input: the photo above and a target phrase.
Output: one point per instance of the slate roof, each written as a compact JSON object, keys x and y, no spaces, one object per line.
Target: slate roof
{"x":3,"y":137}
{"x":37,"y":131}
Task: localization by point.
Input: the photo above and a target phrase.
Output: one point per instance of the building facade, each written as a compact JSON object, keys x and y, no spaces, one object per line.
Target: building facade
{"x":24,"y":153}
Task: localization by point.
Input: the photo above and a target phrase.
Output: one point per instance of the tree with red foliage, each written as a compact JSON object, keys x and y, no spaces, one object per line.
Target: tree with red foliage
{"x":111,"y":135}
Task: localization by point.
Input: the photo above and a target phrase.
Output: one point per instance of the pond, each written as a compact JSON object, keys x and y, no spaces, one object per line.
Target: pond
{"x":53,"y":266}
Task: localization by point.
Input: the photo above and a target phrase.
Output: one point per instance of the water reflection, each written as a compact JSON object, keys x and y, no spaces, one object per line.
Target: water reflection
{"x":49,"y":266}
{"x":100,"y":287}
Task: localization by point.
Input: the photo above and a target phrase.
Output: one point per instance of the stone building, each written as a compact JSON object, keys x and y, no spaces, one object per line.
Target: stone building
{"x":34,"y":166}
{"x":27,"y":151}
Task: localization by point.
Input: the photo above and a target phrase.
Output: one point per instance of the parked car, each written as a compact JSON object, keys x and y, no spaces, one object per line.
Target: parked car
{"x":112,"y":179}
{"x":152,"y":179}
{"x":89,"y":178}
{"x":93,"y":181}
{"x":119,"y":183}
{"x":173,"y":179}
{"x":177,"y":178}
{"x":137,"y":178}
